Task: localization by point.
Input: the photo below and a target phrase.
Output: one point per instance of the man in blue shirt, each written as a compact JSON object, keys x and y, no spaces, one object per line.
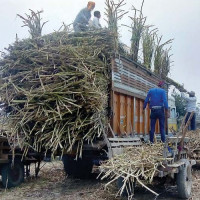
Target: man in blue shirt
{"x":158,"y":104}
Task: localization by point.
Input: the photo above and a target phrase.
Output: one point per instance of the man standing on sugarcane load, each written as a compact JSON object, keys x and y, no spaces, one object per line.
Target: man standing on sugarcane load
{"x":95,"y":23}
{"x":158,"y":104}
{"x":190,"y":107}
{"x":83,"y":17}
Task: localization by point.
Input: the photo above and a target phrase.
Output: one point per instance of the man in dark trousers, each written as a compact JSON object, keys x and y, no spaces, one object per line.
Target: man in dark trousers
{"x":82,"y":19}
{"x":157,"y":100}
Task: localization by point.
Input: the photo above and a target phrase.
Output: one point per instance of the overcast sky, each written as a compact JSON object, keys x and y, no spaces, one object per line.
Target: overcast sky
{"x":177,"y":19}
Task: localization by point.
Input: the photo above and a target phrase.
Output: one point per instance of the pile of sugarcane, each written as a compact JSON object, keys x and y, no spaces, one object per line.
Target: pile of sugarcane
{"x":136,"y":164}
{"x":54,"y":89}
{"x":194,"y":143}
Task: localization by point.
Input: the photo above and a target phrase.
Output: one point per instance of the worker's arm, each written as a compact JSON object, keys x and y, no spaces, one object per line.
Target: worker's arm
{"x":146,"y":100}
{"x":183,"y":95}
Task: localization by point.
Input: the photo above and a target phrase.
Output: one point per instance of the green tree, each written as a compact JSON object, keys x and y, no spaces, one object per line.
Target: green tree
{"x":180,"y":104}
{"x":180,"y":107}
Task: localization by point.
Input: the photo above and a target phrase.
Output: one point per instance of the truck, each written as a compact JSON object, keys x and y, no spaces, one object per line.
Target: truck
{"x":128,"y":126}
{"x":14,"y":166}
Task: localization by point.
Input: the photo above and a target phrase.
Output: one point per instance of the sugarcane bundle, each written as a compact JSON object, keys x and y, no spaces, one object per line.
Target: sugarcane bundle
{"x":162,"y":58}
{"x":148,"y":46}
{"x":114,"y":13}
{"x":55,"y":89}
{"x":194,"y":143}
{"x":135,"y":164}
{"x":137,"y":28}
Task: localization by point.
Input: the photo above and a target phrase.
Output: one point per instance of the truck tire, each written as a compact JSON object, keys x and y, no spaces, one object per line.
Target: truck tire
{"x":12,"y":175}
{"x":80,"y":168}
{"x":127,"y":190}
{"x":184,"y":180}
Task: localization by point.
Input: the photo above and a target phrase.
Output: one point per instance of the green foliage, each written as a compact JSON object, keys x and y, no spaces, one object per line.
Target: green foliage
{"x":33,"y":22}
{"x":162,"y":61}
{"x":148,"y":44}
{"x":137,"y":27}
{"x":114,"y":13}
{"x":180,"y":104}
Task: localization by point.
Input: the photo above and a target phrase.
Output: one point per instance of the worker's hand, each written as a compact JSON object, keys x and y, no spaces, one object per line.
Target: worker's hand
{"x":168,"y":113}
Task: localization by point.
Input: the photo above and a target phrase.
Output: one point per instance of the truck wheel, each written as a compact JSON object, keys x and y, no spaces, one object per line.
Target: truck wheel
{"x":80,"y":168}
{"x":128,"y":190}
{"x":12,"y":176}
{"x":184,"y":180}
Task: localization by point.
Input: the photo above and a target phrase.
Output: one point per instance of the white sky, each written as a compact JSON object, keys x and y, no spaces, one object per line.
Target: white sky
{"x":178,"y":19}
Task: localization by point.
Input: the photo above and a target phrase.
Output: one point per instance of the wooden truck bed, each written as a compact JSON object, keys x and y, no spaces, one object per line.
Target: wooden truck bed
{"x":130,"y":84}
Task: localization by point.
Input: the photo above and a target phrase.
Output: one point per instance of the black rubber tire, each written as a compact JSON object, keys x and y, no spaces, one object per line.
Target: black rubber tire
{"x":184,"y":180}
{"x":12,"y":176}
{"x":128,"y":190}
{"x":80,"y":168}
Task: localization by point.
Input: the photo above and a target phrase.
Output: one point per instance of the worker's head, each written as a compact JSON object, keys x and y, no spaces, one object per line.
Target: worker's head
{"x":191,"y":94}
{"x":97,"y":14}
{"x":161,"y":84}
{"x":91,"y":5}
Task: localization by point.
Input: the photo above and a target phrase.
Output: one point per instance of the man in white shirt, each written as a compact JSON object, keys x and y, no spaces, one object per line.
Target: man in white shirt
{"x":190,"y":107}
{"x":95,"y":23}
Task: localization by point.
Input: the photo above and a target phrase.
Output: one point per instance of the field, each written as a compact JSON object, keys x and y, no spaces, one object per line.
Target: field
{"x":53,"y":184}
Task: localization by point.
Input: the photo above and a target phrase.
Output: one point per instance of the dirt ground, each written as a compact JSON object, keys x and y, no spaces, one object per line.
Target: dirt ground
{"x":52,"y":184}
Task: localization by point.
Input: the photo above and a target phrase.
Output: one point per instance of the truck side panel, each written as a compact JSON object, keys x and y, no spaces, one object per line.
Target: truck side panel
{"x":130,"y":84}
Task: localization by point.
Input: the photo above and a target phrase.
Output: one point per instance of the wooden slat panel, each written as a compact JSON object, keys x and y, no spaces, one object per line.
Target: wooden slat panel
{"x":125,"y":92}
{"x":141,"y":117}
{"x":132,"y":114}
{"x":131,"y":67}
{"x":122,"y":114}
{"x":116,"y":144}
{"x":129,"y":80}
{"x":177,"y":164}
{"x":129,"y":114}
{"x":123,"y":139}
{"x":130,"y":74}
{"x":137,"y":115}
{"x":116,"y":114}
{"x":148,"y":119}
{"x":117,"y":151}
